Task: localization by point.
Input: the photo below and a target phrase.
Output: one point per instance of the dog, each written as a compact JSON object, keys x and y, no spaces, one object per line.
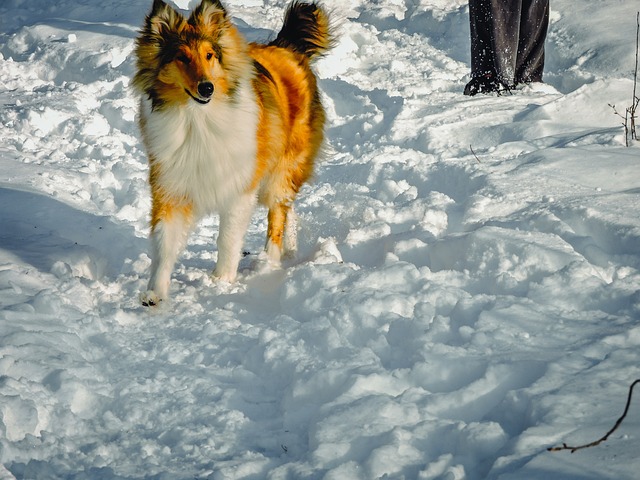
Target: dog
{"x":226,"y":125}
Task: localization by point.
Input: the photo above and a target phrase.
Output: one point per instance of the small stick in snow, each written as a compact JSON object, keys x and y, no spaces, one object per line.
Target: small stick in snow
{"x":474,"y":154}
{"x":604,"y":438}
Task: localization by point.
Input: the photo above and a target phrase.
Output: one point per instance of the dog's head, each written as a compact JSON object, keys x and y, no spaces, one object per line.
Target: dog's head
{"x":182,"y":59}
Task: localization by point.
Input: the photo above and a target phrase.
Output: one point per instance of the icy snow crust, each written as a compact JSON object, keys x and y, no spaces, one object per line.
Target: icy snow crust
{"x":466,"y":292}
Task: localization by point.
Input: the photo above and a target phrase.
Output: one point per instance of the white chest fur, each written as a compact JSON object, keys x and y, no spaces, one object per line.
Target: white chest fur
{"x":205,"y":153}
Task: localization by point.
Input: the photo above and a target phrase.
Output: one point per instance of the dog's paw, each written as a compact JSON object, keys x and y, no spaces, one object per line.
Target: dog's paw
{"x":222,"y":274}
{"x":273,"y":253}
{"x":224,"y":277}
{"x":150,"y":299}
{"x":264,"y":264}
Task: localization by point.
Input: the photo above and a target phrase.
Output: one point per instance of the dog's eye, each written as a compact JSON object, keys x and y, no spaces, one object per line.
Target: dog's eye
{"x":209,"y":56}
{"x":184,"y":59}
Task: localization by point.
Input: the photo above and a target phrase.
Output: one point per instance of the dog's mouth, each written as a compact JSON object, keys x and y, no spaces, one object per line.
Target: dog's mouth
{"x":201,"y":101}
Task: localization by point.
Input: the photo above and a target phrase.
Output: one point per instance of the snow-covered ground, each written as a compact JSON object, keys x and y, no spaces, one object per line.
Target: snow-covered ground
{"x":467,"y":291}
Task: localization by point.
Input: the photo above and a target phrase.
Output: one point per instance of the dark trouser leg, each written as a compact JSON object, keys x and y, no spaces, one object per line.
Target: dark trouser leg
{"x":482,"y":58}
{"x":533,"y":31}
{"x":495,"y":29}
{"x":505,"y":18}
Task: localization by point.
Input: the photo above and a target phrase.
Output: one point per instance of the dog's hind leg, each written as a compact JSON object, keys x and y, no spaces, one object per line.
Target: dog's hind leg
{"x":170,"y":227}
{"x":233,"y":225}
{"x":281,"y":232}
{"x":290,"y":239}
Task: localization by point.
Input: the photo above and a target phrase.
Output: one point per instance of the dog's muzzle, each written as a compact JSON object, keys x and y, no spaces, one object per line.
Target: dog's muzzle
{"x":205,"y":92}
{"x":205,"y":89}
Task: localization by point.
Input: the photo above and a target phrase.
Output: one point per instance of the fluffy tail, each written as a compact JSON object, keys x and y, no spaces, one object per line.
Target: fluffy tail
{"x":306,"y":30}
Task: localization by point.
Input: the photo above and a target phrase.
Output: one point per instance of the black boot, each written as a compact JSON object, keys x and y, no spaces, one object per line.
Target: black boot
{"x":488,"y":83}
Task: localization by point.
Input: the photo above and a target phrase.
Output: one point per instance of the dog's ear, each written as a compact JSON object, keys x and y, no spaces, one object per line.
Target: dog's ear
{"x":162,"y":16}
{"x":158,"y":6}
{"x":210,"y":13}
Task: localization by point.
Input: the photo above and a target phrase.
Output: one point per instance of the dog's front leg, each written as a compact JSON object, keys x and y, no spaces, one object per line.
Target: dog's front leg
{"x":234,"y":220}
{"x":170,"y":227}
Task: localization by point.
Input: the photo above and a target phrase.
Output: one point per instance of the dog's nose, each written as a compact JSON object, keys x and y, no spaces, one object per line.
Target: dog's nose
{"x":205,"y":89}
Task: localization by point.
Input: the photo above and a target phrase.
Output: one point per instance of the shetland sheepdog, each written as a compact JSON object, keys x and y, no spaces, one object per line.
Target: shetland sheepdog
{"x":226,"y":124}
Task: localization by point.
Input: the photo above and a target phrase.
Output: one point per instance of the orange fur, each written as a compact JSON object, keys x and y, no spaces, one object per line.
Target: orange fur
{"x":196,"y":76}
{"x":163,"y":206}
{"x":290,"y":130}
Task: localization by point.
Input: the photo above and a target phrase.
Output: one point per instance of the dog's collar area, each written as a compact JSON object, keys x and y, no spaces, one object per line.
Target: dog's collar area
{"x":199,"y":100}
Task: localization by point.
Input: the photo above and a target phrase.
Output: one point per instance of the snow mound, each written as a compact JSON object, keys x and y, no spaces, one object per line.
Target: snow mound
{"x":466,"y":291}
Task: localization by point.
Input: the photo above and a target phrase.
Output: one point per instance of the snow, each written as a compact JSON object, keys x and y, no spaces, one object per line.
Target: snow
{"x":466,"y":292}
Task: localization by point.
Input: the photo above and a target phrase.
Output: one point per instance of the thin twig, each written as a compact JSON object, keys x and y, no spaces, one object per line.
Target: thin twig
{"x":604,"y":438}
{"x":629,"y":117}
{"x":474,"y":154}
{"x":635,"y":100}
{"x":625,"y":124}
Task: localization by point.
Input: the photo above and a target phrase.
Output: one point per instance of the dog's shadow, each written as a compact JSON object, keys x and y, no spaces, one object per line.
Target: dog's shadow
{"x":49,"y":235}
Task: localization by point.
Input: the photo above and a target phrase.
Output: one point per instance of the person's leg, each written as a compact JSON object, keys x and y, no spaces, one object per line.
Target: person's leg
{"x":482,"y":57}
{"x":533,"y":31}
{"x":505,"y":18}
{"x":494,"y":28}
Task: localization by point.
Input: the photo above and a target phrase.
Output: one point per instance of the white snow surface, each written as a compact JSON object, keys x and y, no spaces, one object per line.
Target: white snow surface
{"x":466,"y":293}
